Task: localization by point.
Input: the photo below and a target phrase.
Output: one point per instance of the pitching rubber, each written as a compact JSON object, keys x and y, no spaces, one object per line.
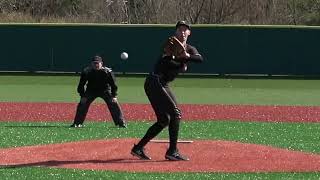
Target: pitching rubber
{"x":167,"y":141}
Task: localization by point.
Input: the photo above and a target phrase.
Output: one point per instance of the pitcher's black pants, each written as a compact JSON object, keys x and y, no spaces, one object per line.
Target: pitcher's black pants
{"x":165,"y":107}
{"x":114,"y":108}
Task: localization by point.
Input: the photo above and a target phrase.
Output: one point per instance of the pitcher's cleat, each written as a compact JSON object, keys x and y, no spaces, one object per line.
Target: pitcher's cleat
{"x":139,"y":152}
{"x":175,"y":156}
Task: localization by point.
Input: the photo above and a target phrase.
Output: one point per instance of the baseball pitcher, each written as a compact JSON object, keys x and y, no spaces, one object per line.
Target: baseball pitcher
{"x":175,"y":57}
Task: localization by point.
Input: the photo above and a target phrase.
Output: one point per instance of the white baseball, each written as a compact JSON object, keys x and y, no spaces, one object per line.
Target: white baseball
{"x":124,"y":55}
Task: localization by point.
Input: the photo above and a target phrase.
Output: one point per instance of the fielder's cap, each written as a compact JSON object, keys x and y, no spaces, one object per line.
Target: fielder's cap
{"x":183,"y":23}
{"x":96,"y":59}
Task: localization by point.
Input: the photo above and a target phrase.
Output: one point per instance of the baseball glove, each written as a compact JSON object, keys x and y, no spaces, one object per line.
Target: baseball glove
{"x":173,"y":47}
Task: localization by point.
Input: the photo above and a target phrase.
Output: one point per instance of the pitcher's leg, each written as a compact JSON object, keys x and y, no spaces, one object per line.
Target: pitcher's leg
{"x":155,"y":129}
{"x":174,"y":127}
{"x":159,"y":104}
{"x":175,"y":117}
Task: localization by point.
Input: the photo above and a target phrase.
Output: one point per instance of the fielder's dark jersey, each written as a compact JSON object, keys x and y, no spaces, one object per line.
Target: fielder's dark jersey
{"x":97,"y":82}
{"x":168,"y":68}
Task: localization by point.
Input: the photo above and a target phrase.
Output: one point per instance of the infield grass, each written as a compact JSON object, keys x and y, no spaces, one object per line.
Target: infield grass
{"x":36,"y":173}
{"x":187,"y":90}
{"x":295,"y":136}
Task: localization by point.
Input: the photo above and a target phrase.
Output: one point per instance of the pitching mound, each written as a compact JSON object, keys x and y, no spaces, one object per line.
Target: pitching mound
{"x":206,"y":156}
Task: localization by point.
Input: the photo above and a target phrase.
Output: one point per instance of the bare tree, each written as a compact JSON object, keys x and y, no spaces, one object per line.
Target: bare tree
{"x":164,"y":11}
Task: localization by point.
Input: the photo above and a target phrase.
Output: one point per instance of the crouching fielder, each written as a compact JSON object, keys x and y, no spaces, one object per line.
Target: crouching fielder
{"x":98,"y":81}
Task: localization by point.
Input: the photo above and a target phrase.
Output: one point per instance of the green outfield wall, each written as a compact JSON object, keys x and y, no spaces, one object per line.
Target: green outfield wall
{"x":272,"y":50}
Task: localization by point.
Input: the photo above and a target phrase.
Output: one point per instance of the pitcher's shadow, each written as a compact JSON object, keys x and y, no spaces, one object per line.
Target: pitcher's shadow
{"x":54,"y":163}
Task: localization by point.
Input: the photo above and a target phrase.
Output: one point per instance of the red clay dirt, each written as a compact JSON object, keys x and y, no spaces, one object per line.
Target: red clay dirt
{"x":98,"y":112}
{"x":206,"y":156}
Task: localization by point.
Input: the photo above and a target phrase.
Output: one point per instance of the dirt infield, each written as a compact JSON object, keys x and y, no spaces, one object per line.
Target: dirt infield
{"x":206,"y":156}
{"x":98,"y":112}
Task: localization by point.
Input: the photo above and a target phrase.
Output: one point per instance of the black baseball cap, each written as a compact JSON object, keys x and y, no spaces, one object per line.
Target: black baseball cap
{"x":96,"y":59}
{"x":183,"y":23}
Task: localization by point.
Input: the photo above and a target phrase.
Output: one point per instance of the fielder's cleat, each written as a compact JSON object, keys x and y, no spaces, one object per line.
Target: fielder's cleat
{"x":139,"y":152}
{"x":121,"y":124}
{"x":124,"y":125}
{"x":77,"y":125}
{"x":175,"y":156}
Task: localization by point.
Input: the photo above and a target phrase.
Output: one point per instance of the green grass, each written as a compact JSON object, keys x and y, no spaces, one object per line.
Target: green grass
{"x":55,"y":173}
{"x":187,"y":90}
